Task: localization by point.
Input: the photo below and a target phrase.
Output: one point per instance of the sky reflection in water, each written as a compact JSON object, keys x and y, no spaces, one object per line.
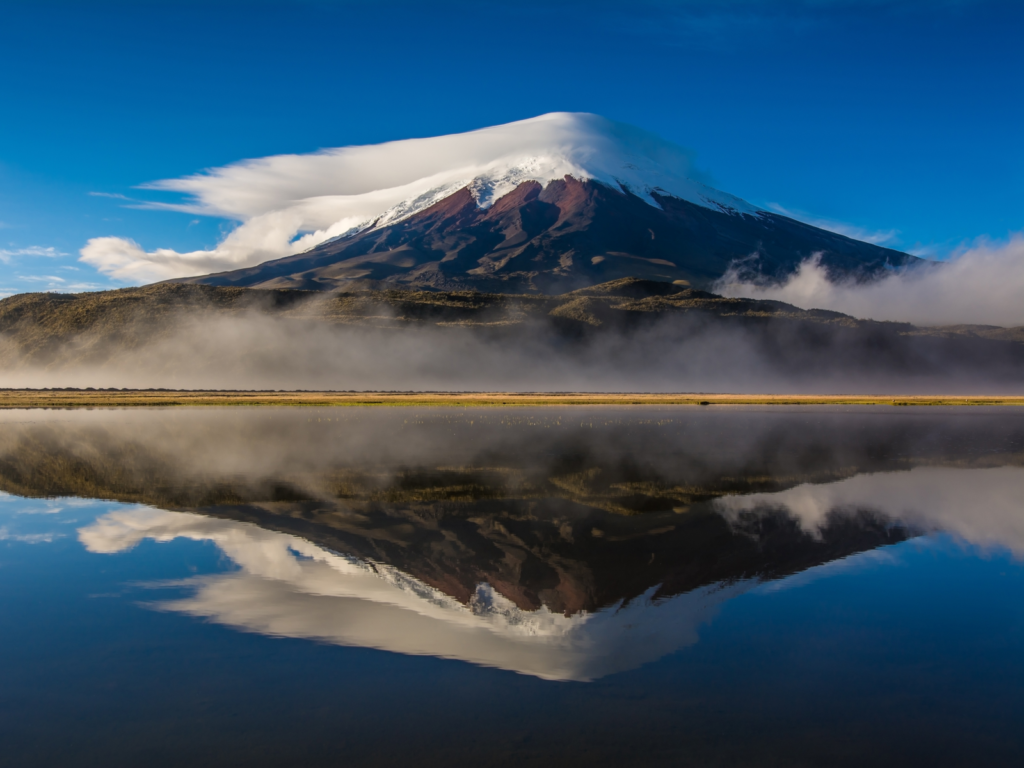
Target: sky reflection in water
{"x":564,"y":545}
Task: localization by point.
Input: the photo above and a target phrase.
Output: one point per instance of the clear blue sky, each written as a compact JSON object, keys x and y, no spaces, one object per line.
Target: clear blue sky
{"x":903,"y":117}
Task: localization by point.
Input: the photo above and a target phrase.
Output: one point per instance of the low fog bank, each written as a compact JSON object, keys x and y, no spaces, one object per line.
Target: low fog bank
{"x":258,"y":448}
{"x":693,"y":353}
{"x":983,"y":285}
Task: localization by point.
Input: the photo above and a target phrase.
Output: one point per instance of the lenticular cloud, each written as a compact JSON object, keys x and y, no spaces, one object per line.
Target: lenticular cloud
{"x":980,"y":285}
{"x":288,"y":204}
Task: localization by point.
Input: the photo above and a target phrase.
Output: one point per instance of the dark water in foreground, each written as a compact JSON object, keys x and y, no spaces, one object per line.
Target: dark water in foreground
{"x":609,"y":586}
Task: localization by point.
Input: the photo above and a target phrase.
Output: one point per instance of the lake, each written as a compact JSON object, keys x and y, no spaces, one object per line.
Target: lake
{"x":685,"y":586}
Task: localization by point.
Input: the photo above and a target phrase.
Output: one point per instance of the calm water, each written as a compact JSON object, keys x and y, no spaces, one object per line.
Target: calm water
{"x":561,"y":586}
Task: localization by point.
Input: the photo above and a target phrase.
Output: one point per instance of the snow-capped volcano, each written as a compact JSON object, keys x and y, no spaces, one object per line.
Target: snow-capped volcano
{"x":352,"y":187}
{"x":556,"y":202}
{"x":492,"y":162}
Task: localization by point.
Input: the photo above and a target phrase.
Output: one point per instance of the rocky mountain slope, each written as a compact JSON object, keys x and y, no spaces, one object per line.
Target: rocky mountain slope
{"x":550,"y":204}
{"x":563,"y":236}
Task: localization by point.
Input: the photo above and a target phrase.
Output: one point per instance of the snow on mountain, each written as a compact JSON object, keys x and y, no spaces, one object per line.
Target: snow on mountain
{"x":394,"y":180}
{"x":290,"y":203}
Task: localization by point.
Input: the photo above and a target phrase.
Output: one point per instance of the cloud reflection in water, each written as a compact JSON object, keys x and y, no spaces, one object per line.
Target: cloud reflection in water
{"x":984,"y":507}
{"x":289,"y":587}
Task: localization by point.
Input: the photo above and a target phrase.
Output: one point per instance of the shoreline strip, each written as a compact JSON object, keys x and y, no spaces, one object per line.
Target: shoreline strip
{"x":98,"y":398}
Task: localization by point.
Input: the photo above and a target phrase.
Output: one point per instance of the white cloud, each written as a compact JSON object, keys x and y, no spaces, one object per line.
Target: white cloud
{"x":33,"y":250}
{"x":265,"y":237}
{"x":288,"y":204}
{"x":29,"y":538}
{"x":57,"y":283}
{"x":47,"y":251}
{"x":113,"y":196}
{"x":980,"y":285}
{"x":876,"y":237}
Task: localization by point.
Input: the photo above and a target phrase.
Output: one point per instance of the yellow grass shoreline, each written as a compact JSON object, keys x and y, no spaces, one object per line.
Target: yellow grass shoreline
{"x":86,"y":398}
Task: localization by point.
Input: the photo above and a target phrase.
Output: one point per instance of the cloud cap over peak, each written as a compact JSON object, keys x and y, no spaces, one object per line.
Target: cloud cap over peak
{"x":288,"y":204}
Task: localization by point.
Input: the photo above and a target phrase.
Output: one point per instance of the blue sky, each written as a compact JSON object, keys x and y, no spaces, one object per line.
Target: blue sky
{"x":903,"y":120}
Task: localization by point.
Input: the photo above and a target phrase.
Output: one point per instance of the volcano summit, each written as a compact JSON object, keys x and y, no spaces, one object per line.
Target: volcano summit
{"x":550,"y":204}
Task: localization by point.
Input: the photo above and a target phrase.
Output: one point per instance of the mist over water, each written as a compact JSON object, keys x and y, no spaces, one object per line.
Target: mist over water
{"x":253,"y":447}
{"x":565,"y":544}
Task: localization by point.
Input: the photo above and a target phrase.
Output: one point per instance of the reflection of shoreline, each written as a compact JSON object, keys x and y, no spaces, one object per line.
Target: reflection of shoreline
{"x":621,"y":460}
{"x":289,"y":587}
{"x":984,"y":507}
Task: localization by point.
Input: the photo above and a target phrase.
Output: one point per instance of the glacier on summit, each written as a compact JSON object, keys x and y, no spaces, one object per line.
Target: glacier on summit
{"x":288,"y":204}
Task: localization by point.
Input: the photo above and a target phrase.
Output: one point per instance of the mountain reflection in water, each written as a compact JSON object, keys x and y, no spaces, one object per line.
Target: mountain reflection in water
{"x":562,"y":543}
{"x":287,"y":586}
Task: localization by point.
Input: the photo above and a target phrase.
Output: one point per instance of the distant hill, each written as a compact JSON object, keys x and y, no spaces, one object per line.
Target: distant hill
{"x":628,"y":325}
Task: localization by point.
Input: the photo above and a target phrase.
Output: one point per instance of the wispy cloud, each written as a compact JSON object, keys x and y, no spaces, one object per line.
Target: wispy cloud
{"x":29,"y":538}
{"x":114,"y":196}
{"x":873,"y":236}
{"x":56,"y":283}
{"x":41,"y":279}
{"x":6,"y":255}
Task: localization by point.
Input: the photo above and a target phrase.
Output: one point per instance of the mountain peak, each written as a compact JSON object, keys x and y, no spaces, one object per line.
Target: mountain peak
{"x":357,"y":187}
{"x":492,"y":162}
{"x":554,"y":203}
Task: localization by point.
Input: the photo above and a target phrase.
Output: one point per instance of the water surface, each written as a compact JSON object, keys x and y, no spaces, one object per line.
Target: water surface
{"x":570,"y":586}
